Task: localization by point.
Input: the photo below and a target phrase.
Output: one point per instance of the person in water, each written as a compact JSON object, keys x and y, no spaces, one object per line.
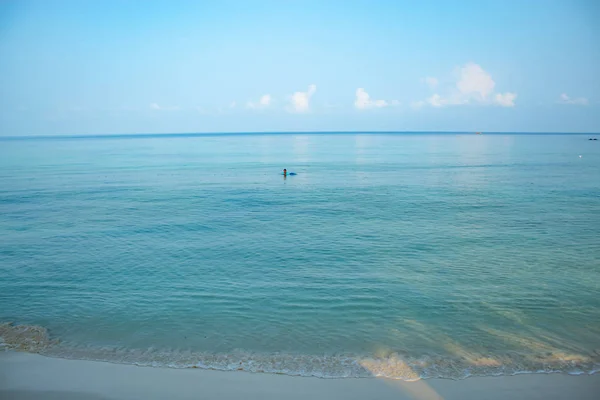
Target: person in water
{"x":284,"y":172}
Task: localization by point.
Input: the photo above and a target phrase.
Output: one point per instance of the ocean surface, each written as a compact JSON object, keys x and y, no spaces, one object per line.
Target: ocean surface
{"x":400,"y":255}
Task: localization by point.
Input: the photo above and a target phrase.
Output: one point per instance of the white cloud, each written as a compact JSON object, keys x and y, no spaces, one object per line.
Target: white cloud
{"x":474,"y":81}
{"x":395,"y":103}
{"x":363,"y":101}
{"x":300,"y":101}
{"x":505,"y":100}
{"x":436,"y":101}
{"x":232,"y":104}
{"x":155,"y":106}
{"x":263,"y":102}
{"x":431,"y":82}
{"x":565,"y":99}
{"x":473,"y":86}
{"x":417,"y":104}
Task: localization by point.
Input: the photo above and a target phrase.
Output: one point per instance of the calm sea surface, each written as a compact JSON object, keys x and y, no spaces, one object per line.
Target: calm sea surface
{"x":392,"y":255}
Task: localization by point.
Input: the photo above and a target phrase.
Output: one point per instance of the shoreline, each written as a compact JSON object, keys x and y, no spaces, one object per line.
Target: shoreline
{"x":26,"y":376}
{"x":36,"y":339}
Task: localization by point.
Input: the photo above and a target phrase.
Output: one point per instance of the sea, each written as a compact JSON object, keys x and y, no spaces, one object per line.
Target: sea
{"x":398,"y":255}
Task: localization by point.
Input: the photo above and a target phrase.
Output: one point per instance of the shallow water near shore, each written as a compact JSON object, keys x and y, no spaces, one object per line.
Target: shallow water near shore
{"x":405,"y":256}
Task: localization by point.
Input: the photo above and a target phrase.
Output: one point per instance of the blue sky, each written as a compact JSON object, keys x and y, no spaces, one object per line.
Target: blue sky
{"x":107,"y":67}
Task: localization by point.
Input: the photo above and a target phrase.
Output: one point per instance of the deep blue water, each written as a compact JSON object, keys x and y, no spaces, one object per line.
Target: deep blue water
{"x":397,"y":255}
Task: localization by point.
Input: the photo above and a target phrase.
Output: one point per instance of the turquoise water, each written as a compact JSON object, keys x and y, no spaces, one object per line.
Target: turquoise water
{"x":392,"y":255}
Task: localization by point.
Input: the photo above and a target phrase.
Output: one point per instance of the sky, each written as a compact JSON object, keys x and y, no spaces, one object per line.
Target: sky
{"x":119,"y":67}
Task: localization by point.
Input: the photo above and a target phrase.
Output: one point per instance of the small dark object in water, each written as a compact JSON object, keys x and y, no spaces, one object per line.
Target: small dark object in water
{"x":593,"y":139}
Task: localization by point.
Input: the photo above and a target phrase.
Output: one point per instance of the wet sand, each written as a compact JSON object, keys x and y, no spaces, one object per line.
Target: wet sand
{"x":25,"y":376}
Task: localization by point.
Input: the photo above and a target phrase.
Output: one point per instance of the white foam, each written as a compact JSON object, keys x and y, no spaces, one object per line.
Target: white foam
{"x":393,"y":365}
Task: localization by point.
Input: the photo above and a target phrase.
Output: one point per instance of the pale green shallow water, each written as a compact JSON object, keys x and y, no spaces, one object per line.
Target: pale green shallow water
{"x":388,"y":255}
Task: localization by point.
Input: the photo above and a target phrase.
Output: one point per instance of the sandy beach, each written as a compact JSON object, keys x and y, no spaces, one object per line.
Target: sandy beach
{"x":32,"y":376}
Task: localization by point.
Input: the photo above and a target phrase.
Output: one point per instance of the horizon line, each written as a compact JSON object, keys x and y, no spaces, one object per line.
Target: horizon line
{"x":251,"y":133}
